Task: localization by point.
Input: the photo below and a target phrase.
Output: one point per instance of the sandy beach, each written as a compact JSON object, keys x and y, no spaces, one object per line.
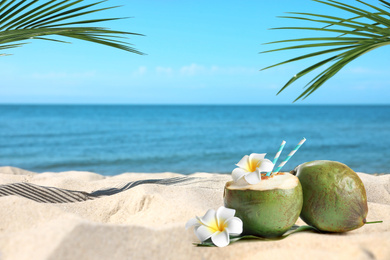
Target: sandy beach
{"x":146,"y":221}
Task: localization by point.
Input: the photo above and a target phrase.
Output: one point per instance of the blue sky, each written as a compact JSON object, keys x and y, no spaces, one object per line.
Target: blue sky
{"x":198,"y":52}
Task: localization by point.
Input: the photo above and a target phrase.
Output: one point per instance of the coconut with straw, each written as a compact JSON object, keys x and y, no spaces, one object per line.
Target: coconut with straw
{"x":270,"y":207}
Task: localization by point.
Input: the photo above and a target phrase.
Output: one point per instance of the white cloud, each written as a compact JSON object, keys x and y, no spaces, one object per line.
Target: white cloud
{"x":168,"y":71}
{"x":195,"y":69}
{"x":233,"y":70}
{"x":140,"y":71}
{"x":191,"y":70}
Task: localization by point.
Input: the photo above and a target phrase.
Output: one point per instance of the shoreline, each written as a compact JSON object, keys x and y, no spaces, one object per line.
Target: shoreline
{"x":16,"y":171}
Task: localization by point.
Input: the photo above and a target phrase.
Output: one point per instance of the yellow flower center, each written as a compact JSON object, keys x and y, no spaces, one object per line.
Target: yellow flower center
{"x":215,"y":227}
{"x":253,"y":164}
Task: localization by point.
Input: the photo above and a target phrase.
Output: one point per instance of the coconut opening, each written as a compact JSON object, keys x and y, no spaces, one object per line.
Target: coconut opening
{"x":283,"y":181}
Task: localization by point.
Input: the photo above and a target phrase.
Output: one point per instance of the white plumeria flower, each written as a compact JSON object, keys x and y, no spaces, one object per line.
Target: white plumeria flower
{"x":251,"y":167}
{"x":218,"y":225}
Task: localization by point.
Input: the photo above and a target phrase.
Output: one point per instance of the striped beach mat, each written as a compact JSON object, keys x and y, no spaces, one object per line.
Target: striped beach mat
{"x":46,"y":194}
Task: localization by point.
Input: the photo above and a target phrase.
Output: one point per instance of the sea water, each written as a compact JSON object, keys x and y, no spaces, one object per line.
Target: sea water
{"x":112,"y":139}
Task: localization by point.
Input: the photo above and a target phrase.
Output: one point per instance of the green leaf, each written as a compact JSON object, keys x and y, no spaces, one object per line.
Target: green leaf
{"x":48,"y":39}
{"x":8,"y":14}
{"x":25,"y":20}
{"x":374,"y":222}
{"x":322,"y":44}
{"x":358,"y":11}
{"x":32,"y":15}
{"x":8,"y":46}
{"x":385,"y":3}
{"x":309,"y":56}
{"x":332,"y":70}
{"x":62,"y":16}
{"x":318,"y":39}
{"x":345,"y":23}
{"x":358,"y":36}
{"x":293,"y":230}
{"x":327,"y":30}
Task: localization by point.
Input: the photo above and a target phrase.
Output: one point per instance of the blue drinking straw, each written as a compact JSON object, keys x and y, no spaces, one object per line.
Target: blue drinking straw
{"x":277,"y":155}
{"x":289,"y":156}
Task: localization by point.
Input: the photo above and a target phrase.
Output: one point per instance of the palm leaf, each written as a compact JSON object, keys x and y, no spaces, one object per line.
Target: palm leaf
{"x":354,"y":36}
{"x":9,"y":46}
{"x":24,"y":20}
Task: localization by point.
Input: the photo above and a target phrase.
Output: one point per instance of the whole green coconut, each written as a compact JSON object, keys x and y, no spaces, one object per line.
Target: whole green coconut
{"x":334,"y":197}
{"x":269,"y":208}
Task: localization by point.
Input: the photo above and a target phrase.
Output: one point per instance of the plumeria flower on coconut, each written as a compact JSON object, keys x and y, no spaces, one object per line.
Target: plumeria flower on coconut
{"x":217,"y":225}
{"x":250,"y":168}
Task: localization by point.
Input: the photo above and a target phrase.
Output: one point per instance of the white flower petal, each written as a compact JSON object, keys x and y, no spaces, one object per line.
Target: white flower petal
{"x":203,"y":233}
{"x":209,"y":218}
{"x":253,"y":177}
{"x":257,"y":156}
{"x":266,"y":166}
{"x":255,"y":160}
{"x":192,"y":222}
{"x":221,"y":239}
{"x":243,"y":163}
{"x":224,"y":214}
{"x":241,"y":182}
{"x":234,"y":226}
{"x":238,"y":173}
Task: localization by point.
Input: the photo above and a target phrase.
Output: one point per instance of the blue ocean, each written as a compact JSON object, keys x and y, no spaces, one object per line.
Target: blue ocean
{"x":112,"y":139}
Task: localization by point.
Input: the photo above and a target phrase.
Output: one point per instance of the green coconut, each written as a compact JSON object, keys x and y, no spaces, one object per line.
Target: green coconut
{"x":334,"y":197}
{"x":269,"y":208}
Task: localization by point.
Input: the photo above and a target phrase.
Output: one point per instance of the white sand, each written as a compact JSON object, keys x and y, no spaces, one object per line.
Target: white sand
{"x":147,"y":222}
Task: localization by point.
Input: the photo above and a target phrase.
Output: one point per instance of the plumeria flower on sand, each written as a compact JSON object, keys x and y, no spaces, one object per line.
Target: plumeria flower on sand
{"x":217,"y":225}
{"x":250,"y":168}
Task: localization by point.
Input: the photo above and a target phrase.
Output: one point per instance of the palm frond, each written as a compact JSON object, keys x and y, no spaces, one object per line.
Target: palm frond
{"x":9,"y":46}
{"x":353,"y":36}
{"x":24,"y":20}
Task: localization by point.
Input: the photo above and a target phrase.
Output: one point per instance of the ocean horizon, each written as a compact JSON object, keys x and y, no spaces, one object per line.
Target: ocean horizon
{"x":112,"y":139}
